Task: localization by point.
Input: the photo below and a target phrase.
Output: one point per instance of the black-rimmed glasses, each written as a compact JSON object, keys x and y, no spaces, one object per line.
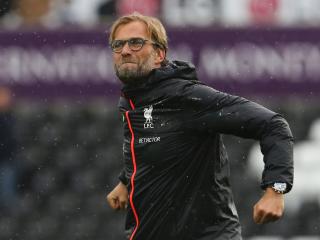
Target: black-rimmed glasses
{"x":135,"y":44}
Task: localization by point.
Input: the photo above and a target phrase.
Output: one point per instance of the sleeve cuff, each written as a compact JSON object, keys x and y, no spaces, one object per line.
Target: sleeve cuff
{"x":122,"y":178}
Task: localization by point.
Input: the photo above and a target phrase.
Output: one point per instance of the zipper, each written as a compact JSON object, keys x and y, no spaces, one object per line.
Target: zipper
{"x":133,"y":156}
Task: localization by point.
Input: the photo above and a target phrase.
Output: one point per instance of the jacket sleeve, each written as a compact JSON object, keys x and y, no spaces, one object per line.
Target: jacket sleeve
{"x":123,"y":106}
{"x":217,"y":112}
{"x":122,"y":177}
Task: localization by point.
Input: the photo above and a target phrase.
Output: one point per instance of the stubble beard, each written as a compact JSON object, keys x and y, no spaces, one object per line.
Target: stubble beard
{"x":134,"y":76}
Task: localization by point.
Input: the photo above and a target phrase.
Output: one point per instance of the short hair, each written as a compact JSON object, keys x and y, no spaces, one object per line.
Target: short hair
{"x":155,"y":29}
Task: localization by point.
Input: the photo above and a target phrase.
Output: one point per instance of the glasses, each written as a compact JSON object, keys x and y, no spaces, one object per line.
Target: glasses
{"x":135,"y":44}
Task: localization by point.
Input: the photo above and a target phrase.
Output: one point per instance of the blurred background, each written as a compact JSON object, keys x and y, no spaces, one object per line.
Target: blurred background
{"x":61,"y":135}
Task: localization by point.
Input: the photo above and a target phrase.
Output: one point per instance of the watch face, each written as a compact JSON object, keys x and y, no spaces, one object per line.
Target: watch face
{"x":280,"y":186}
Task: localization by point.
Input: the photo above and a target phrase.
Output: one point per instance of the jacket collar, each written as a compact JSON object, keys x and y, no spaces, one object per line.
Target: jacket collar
{"x":174,"y":69}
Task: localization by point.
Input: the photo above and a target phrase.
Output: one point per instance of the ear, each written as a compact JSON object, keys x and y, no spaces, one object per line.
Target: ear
{"x":160,"y":56}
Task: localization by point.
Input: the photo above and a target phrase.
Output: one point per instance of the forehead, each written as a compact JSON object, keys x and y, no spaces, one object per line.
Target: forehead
{"x":132,"y":29}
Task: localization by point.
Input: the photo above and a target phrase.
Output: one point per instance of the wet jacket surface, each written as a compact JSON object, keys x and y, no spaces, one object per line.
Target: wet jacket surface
{"x":175,"y":164}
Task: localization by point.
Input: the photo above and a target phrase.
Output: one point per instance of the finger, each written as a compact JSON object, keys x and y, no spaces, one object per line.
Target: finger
{"x":113,"y":202}
{"x":268,"y":216}
{"x":271,"y":217}
{"x":123,"y":203}
{"x":257,"y":215}
{"x":264,"y":218}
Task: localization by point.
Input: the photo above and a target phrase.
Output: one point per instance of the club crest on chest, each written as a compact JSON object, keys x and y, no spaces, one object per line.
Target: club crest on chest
{"x":148,"y":116}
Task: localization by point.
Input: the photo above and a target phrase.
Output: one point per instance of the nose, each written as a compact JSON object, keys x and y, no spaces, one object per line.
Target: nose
{"x":126,"y":50}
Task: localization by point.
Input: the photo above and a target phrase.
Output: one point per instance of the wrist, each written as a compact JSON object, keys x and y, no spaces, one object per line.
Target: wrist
{"x":270,"y":190}
{"x":278,"y":187}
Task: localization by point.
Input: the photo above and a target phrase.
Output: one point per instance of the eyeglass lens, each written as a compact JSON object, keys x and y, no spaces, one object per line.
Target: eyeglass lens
{"x":135,"y":44}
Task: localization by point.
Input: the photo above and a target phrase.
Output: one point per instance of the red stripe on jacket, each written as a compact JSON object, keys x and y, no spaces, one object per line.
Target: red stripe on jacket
{"x":134,"y":172}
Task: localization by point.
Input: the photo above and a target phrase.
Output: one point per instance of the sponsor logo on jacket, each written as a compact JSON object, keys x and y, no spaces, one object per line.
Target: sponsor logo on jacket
{"x":149,"y":139}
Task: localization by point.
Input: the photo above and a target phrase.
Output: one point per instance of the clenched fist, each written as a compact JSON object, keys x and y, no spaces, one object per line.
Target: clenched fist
{"x":269,"y":208}
{"x":118,"y":197}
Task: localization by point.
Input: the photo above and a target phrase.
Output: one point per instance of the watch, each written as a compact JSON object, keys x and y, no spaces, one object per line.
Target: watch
{"x":279,"y":187}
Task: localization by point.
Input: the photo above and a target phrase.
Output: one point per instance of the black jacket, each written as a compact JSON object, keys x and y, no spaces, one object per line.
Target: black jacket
{"x":176,"y":167}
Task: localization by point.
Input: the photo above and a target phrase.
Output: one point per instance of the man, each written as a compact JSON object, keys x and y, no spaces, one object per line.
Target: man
{"x":175,"y":183}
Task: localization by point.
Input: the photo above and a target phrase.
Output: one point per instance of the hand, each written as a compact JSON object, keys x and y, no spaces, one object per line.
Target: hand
{"x":269,"y":208}
{"x":118,"y":197}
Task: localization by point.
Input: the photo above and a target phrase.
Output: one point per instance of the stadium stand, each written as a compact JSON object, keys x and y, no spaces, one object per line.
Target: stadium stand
{"x":70,"y":157}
